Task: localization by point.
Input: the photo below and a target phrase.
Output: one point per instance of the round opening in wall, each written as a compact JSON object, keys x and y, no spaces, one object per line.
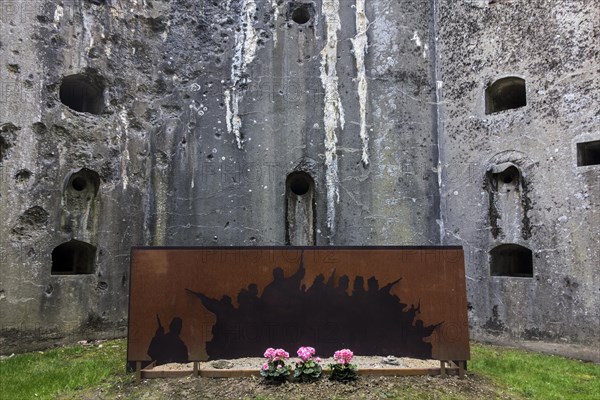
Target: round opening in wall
{"x":508,"y":179}
{"x":301,"y":14}
{"x":299,"y":183}
{"x":79,"y":183}
{"x":82,"y":183}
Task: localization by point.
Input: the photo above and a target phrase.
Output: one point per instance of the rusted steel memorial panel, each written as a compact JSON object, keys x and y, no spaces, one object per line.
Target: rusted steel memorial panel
{"x":193,"y":304}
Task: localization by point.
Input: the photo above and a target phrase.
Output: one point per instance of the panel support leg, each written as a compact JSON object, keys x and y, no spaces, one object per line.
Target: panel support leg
{"x":138,"y":372}
{"x":461,"y":369}
{"x":443,"y":368}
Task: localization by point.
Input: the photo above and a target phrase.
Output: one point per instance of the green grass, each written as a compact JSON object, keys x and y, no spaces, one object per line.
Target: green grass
{"x":536,"y":375}
{"x":44,"y":375}
{"x":73,"y":371}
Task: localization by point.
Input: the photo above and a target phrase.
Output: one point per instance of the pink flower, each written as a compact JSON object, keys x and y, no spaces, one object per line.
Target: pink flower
{"x":270,"y":352}
{"x":318,"y":359}
{"x":343,"y":356}
{"x":306,"y":353}
{"x":265,"y":366}
{"x":282,"y":354}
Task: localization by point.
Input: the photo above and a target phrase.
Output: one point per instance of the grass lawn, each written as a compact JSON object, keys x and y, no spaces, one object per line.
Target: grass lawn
{"x":536,"y":375}
{"x":98,"y":371}
{"x":43,"y":375}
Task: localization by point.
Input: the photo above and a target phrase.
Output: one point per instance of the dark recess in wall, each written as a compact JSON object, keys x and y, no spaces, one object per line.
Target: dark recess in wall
{"x":505,"y":94}
{"x":588,"y":153}
{"x":300,"y":13}
{"x":300,"y":219}
{"x":82,"y":93}
{"x":511,"y":260}
{"x":84,"y":182}
{"x":73,"y":258}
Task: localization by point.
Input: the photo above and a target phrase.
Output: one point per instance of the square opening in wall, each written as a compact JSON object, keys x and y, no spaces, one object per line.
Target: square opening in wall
{"x":73,"y":258}
{"x":588,"y":153}
{"x":511,"y":260}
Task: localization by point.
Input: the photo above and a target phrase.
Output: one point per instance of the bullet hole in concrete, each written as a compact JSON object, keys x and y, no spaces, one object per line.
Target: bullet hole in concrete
{"x":8,"y":138}
{"x":299,"y":183}
{"x":81,"y":93}
{"x":300,"y":13}
{"x":34,"y":216}
{"x":49,"y":289}
{"x":73,"y":258}
{"x":570,"y":284}
{"x":511,"y":260}
{"x":102,"y":286}
{"x":4,"y":146}
{"x":505,"y":94}
{"x":39,"y":128}
{"x":31,"y":223}
{"x":588,"y":153}
{"x":84,"y":182}
{"x":22,"y":175}
{"x":14,"y":68}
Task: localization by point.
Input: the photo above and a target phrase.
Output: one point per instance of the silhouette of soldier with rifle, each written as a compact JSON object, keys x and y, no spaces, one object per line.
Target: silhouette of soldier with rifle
{"x":168,"y":348}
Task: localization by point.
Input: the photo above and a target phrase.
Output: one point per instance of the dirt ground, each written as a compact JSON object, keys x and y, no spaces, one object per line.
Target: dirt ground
{"x":367,"y":387}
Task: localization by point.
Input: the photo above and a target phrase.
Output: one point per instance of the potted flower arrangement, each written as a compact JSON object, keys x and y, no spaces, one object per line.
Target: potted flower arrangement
{"x":275,"y":370}
{"x":308,"y":368}
{"x":342,"y":370}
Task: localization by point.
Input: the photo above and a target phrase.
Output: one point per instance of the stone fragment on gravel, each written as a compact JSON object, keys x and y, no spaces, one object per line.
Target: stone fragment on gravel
{"x":221,"y":364}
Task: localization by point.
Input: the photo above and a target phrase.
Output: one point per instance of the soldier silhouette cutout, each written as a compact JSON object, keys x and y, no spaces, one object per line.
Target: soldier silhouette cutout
{"x":288,"y":314}
{"x":168,"y":348}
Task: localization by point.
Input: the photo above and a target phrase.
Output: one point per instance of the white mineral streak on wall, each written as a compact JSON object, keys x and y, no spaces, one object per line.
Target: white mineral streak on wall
{"x":228,"y":114}
{"x":246,"y":43}
{"x":438,"y":98}
{"x":333,"y":112}
{"x":58,"y":14}
{"x":360,"y":44}
{"x":125,"y":158}
{"x":275,"y":8}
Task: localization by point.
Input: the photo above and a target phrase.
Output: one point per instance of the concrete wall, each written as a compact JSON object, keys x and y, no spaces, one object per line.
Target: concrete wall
{"x":207,"y":108}
{"x":554,"y":210}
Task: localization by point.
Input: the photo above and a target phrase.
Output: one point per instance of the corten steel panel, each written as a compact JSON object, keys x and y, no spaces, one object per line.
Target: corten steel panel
{"x":192,"y":304}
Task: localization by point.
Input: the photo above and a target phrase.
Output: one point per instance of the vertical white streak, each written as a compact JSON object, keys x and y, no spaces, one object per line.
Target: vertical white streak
{"x":125,"y":156}
{"x":438,"y":99}
{"x":228,"y":114}
{"x":275,"y":8}
{"x":439,"y":120}
{"x":246,"y":43}
{"x":360,"y":45}
{"x":333,"y":111}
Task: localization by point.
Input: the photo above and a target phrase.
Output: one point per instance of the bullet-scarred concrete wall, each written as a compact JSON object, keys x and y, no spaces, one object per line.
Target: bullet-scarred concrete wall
{"x":185,"y":123}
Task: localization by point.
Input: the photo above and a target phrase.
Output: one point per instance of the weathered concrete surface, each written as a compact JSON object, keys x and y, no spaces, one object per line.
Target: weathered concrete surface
{"x":554,"y":46}
{"x":209,"y":106}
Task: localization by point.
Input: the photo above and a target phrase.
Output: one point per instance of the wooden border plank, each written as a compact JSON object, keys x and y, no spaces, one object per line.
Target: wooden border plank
{"x":150,"y":373}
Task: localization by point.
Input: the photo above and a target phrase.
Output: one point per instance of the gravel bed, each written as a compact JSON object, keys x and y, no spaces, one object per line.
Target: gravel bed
{"x":254,"y":363}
